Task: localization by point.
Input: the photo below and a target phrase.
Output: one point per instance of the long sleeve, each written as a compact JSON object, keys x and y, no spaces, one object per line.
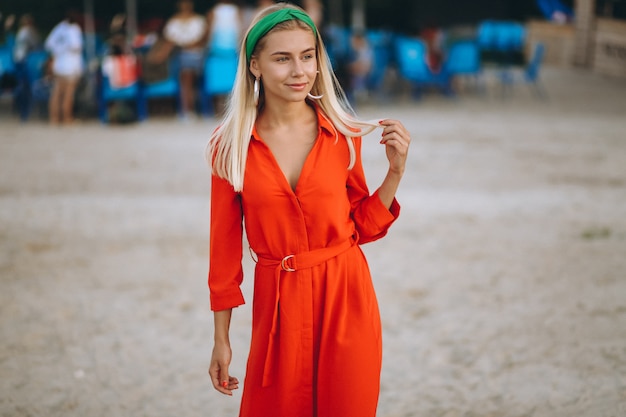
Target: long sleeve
{"x":225,"y":252}
{"x":51,"y":43}
{"x":371,"y":217}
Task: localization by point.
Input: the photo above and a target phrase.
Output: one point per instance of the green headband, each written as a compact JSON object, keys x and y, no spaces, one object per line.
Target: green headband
{"x":268,"y":22}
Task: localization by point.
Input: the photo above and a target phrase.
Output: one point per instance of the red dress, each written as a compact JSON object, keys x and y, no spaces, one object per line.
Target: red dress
{"x":316,"y":335}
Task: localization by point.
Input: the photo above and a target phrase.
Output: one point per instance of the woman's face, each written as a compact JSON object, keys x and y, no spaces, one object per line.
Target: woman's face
{"x":287,"y":65}
{"x":185,"y":6}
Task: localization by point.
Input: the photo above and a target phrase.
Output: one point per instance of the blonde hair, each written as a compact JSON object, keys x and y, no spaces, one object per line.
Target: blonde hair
{"x":227,"y":149}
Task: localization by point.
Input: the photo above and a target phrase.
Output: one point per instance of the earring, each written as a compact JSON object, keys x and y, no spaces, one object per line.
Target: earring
{"x":257,"y":89}
{"x":311,"y":96}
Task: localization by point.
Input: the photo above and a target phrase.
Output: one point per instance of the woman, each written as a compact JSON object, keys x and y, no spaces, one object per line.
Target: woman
{"x":65,"y":43}
{"x":287,"y":160}
{"x":224,"y":22}
{"x":27,"y":39}
{"x":188,"y":30}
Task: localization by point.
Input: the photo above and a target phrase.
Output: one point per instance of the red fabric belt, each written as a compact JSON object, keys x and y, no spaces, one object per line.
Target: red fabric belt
{"x":294,"y":263}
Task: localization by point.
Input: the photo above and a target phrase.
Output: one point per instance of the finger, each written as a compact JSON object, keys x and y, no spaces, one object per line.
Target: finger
{"x":220,"y":383}
{"x":391,"y":123}
{"x":224,"y":377}
{"x":397,"y":130}
{"x":224,"y":380}
{"x":233,"y":383}
{"x":387,"y":122}
{"x":396,"y":140}
{"x":390,"y":126}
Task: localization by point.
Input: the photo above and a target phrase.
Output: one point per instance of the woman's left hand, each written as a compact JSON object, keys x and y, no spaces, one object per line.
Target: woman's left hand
{"x":396,"y":139}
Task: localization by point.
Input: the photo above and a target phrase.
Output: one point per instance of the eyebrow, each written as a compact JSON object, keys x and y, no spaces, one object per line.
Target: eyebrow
{"x":289,"y":53}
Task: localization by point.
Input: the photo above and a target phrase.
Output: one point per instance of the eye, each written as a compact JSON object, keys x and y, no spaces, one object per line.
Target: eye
{"x":282,"y":59}
{"x":307,"y":57}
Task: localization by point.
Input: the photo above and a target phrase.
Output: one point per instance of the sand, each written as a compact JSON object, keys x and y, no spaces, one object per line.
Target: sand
{"x":502,"y":286}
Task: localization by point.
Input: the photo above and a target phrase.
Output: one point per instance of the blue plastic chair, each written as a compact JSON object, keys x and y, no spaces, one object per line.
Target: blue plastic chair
{"x":412,"y":66}
{"x":463,"y":60}
{"x":509,"y":37}
{"x":220,"y":71}
{"x":501,"y":42}
{"x":7,"y":66}
{"x":106,"y":94}
{"x":8,"y":71}
{"x":380,"y":42}
{"x":486,"y":35}
{"x":169,"y":87}
{"x":529,"y":74}
{"x":9,"y":76}
{"x":9,"y":41}
{"x":502,"y":36}
{"x":337,"y":44}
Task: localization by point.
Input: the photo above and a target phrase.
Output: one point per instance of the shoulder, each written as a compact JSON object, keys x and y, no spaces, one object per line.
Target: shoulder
{"x":56,"y":29}
{"x":173,"y":21}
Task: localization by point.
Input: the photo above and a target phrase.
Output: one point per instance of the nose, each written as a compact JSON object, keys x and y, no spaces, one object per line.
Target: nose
{"x":297,"y":70}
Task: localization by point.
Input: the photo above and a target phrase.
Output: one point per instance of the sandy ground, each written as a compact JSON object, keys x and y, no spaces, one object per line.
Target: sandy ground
{"x":502,"y":286}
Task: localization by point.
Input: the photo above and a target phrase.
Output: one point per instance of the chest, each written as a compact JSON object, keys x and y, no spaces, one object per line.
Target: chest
{"x":290,"y":152}
{"x":321,"y":171}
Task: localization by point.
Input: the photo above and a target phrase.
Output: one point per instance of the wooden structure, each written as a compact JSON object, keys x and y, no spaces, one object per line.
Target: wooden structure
{"x":609,"y":54}
{"x":599,"y":43}
{"x":559,"y":41}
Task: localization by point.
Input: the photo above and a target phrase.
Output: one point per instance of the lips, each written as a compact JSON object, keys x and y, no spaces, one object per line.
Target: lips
{"x":297,"y":86}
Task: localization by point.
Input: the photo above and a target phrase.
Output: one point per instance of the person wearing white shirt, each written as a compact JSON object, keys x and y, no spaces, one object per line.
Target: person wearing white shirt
{"x":187,"y":30}
{"x":27,"y":38}
{"x":65,"y":43}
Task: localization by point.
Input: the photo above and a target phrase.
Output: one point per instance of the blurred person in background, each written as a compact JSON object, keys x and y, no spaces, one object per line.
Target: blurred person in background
{"x":65,"y":43}
{"x":148,"y":33}
{"x":360,"y":64}
{"x":27,"y":38}
{"x":118,"y":43}
{"x":433,"y":36}
{"x":155,"y":59}
{"x":314,"y":9}
{"x":225,"y":22}
{"x":120,"y":63}
{"x":253,"y":10}
{"x":7,"y":37}
{"x":187,"y":30}
{"x":120,"y":67}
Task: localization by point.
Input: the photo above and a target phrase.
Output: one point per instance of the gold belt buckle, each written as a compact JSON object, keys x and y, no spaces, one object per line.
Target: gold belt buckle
{"x":284,"y":266}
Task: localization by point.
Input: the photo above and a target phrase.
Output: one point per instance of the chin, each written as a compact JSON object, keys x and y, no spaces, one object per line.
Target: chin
{"x":296,"y":97}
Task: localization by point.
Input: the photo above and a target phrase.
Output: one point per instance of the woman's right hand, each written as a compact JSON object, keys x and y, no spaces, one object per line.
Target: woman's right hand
{"x":218,"y":369}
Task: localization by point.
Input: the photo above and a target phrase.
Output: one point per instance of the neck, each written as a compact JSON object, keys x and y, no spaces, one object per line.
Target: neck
{"x":285,"y":115}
